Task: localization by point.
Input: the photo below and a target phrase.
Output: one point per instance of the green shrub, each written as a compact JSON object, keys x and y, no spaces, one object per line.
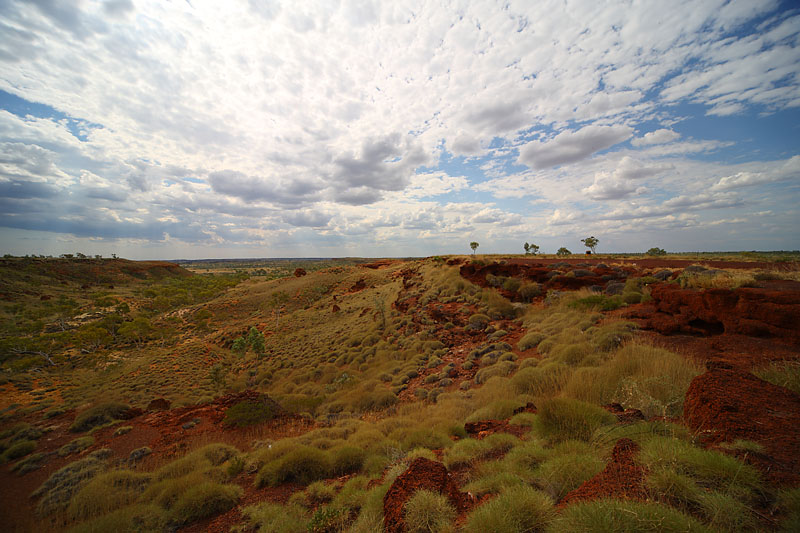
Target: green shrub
{"x":497,"y":410}
{"x":56,"y":492}
{"x":205,"y":499}
{"x":248,"y":413}
{"x":135,"y":518}
{"x":619,"y":516}
{"x":546,"y":379}
{"x":517,"y":509}
{"x":502,"y":368}
{"x":270,"y":517}
{"x":512,"y":284}
{"x":710,"y":469}
{"x":426,"y":438}
{"x":529,"y":291}
{"x":726,"y":513}
{"x":303,"y":464}
{"x":17,"y":450}
{"x":76,"y":445}
{"x":564,"y":473}
{"x":428,"y":511}
{"x":782,"y":373}
{"x":347,"y":459}
{"x":98,"y":416}
{"x":788,"y":503}
{"x":107,"y":492}
{"x":565,"y":418}
{"x":29,"y":464}
{"x":530,"y":340}
{"x":464,"y":452}
{"x":600,"y":302}
{"x":493,"y":483}
{"x":478,"y":321}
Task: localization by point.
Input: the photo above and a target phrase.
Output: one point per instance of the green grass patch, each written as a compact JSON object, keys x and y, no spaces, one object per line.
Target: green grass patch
{"x":615,"y":516}
{"x":516,"y":509}
{"x":98,"y":416}
{"x":564,"y":418}
{"x":203,"y":500}
{"x":428,"y":511}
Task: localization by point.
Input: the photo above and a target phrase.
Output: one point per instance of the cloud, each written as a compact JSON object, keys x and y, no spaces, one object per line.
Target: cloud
{"x":660,"y":136}
{"x":290,"y":192}
{"x":569,"y":146}
{"x":789,"y":170}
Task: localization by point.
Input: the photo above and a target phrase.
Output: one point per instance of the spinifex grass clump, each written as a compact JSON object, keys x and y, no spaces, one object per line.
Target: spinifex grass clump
{"x":564,"y":418}
{"x":98,"y":416}
{"x":249,"y":413}
{"x":620,"y":515}
{"x":517,"y":508}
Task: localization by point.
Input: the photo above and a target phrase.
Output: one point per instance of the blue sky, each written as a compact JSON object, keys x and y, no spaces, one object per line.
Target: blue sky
{"x":263,"y":128}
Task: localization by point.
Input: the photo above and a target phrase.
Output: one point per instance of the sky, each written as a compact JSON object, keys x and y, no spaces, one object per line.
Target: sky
{"x":257,"y":128}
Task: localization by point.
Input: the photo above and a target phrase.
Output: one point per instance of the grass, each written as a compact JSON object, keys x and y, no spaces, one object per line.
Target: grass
{"x":140,"y":517}
{"x":428,"y":511}
{"x":248,"y":413}
{"x":107,"y":492}
{"x":516,"y":509}
{"x":562,"y":419}
{"x":303,"y":464}
{"x":203,"y":500}
{"x":57,"y":491}
{"x":97,"y":416}
{"x":76,"y":445}
{"x":270,"y":517}
{"x":782,"y":373}
{"x":637,"y":376}
{"x":561,"y":474}
{"x":615,"y":516}
{"x":17,"y":450}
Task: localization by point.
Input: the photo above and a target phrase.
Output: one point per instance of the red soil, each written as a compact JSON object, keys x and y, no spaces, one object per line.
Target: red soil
{"x":725,"y":404}
{"x":621,"y":478}
{"x":422,"y":474}
{"x":754,"y":312}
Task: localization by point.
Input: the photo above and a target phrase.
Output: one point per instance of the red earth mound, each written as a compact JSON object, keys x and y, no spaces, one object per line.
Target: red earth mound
{"x":754,"y":312}
{"x":621,"y":478}
{"x":725,"y":404}
{"x":422,"y":474}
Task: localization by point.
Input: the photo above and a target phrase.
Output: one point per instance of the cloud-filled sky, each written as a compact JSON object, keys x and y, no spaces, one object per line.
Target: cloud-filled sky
{"x":259,"y":128}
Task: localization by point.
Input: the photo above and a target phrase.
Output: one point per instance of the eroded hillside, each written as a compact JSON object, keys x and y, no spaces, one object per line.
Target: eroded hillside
{"x":447,"y":393}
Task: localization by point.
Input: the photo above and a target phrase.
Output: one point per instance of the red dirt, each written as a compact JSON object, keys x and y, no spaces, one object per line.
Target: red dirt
{"x":422,"y":474}
{"x":484,"y":428}
{"x":660,"y":263}
{"x":725,"y":404}
{"x":754,"y":312}
{"x":621,"y":478}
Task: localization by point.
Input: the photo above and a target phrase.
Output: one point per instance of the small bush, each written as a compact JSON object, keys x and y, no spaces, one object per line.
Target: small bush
{"x":782,"y":373}
{"x":248,"y":413}
{"x":478,"y":321}
{"x":516,"y":509}
{"x":428,"y":511}
{"x":98,"y":416}
{"x":59,"y":488}
{"x":77,"y":445}
{"x":564,"y":473}
{"x":599,"y":302}
{"x":347,"y":459}
{"x":543,"y":380}
{"x":270,"y":517}
{"x":502,"y":368}
{"x":29,"y":464}
{"x":617,"y":515}
{"x":564,"y":418}
{"x":529,"y":291}
{"x":142,"y":517}
{"x":303,"y":464}
{"x":530,"y":340}
{"x":426,"y":438}
{"x":107,"y":492}
{"x":204,"y":500}
{"x":17,"y":450}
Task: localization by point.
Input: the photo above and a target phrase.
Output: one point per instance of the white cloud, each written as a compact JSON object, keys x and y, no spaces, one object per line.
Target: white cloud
{"x":660,"y":136}
{"x":569,"y":146}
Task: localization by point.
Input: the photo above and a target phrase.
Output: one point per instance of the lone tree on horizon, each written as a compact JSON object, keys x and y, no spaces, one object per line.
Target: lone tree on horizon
{"x":590,"y":242}
{"x":531,"y":249}
{"x":474,"y":245}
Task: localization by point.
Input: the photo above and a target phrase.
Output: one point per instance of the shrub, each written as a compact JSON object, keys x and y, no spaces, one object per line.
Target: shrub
{"x":98,"y":416}
{"x":564,"y":473}
{"x":656,"y":251}
{"x":511,"y":284}
{"x":516,"y":509}
{"x":428,"y":511}
{"x":529,"y":291}
{"x":502,"y":368}
{"x":497,"y":410}
{"x":493,"y":483}
{"x":59,"y":488}
{"x":601,"y":302}
{"x":562,"y":252}
{"x":17,"y":450}
{"x":478,"y":321}
{"x":303,"y":464}
{"x":107,"y":492}
{"x":347,"y":459}
{"x":464,"y":452}
{"x":76,"y":445}
{"x":565,"y":418}
{"x":142,"y":517}
{"x":426,"y":438}
{"x":782,"y":373}
{"x":619,"y":515}
{"x":29,"y":464}
{"x":543,"y":380}
{"x":204,"y":500}
{"x":248,"y":413}
{"x":530,"y":340}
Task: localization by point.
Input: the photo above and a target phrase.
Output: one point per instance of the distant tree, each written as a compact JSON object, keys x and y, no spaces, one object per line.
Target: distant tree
{"x":67,"y":256}
{"x":98,"y":256}
{"x":531,"y":249}
{"x":137,"y":331}
{"x":113,"y":256}
{"x":256,"y":341}
{"x":474,"y":245}
{"x":239,"y":345}
{"x":80,"y":255}
{"x":590,"y":242}
{"x":562,"y":252}
{"x":656,"y":251}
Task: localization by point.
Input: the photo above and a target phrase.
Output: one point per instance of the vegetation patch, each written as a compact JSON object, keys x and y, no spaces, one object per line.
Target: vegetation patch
{"x":98,"y":416}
